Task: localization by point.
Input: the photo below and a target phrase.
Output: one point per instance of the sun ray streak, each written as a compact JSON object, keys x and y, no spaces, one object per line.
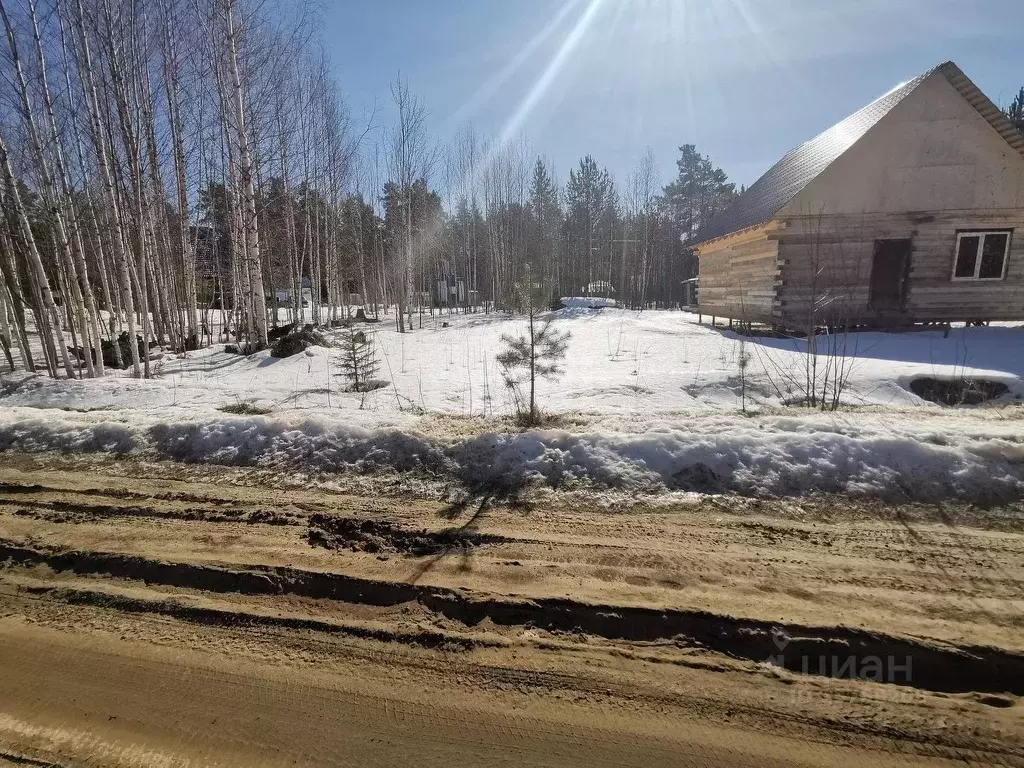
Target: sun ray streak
{"x":487,"y":90}
{"x":552,"y":70}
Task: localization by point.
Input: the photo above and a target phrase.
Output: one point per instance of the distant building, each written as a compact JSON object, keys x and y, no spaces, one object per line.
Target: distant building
{"x":213,"y":252}
{"x":283,"y":296}
{"x":449,"y":290}
{"x":910,"y":210}
{"x":599,"y":288}
{"x":691,"y":292}
{"x":213,"y":266}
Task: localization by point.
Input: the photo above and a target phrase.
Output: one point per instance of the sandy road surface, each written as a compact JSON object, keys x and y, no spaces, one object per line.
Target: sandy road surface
{"x":152,"y":618}
{"x":114,"y":702}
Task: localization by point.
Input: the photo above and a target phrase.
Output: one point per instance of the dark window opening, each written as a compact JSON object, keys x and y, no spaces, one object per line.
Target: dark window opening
{"x":981,"y":255}
{"x":993,"y":253}
{"x":966,"y":254}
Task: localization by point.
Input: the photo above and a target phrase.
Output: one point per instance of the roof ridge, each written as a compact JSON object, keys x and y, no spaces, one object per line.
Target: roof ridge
{"x":799,"y":166}
{"x":802,"y":164}
{"x":992,"y":114}
{"x":910,"y":84}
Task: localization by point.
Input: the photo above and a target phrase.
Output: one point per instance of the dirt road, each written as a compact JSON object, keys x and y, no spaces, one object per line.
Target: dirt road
{"x":109,"y":702}
{"x":152,"y":616}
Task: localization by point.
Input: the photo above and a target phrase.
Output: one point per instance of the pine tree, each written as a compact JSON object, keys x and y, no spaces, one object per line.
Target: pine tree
{"x":546,"y":221}
{"x":590,"y":210}
{"x":537,"y":353}
{"x":1016,"y":111}
{"x":359,"y":363}
{"x":699,"y":192}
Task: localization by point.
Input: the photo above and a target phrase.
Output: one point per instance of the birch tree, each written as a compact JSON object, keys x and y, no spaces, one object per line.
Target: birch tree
{"x":409,"y":156}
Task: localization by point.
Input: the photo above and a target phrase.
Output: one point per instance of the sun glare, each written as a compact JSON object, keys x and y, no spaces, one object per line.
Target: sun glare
{"x":496,"y":81}
{"x":551,"y":71}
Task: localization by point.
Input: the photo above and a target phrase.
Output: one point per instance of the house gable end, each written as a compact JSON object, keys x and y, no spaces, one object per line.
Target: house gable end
{"x":934,"y":151}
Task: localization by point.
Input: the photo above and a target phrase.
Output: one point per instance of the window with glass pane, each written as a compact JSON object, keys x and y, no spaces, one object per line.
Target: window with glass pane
{"x":981,"y":255}
{"x":966,"y":256}
{"x":993,"y":252}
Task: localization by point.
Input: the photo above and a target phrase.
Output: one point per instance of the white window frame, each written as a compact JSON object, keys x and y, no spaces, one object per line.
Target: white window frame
{"x":981,"y":235}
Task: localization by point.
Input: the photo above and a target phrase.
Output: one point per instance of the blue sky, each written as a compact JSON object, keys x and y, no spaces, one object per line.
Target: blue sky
{"x":744,"y":80}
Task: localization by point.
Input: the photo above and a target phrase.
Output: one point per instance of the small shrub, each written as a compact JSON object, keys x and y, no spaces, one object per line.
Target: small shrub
{"x":537,"y":353}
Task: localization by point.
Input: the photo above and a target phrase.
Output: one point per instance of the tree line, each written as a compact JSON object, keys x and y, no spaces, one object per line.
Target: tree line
{"x":181,"y":172}
{"x":176,"y":168}
{"x":160,"y":158}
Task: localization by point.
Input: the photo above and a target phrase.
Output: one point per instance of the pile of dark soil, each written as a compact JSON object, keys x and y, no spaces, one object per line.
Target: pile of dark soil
{"x":957,"y":391}
{"x":368,"y":385}
{"x":298,"y":341}
{"x":249,"y":348}
{"x":244,"y":409}
{"x":359,"y":317}
{"x":124,"y":345}
{"x":362,"y":318}
{"x":280,"y":331}
{"x":333,"y":532}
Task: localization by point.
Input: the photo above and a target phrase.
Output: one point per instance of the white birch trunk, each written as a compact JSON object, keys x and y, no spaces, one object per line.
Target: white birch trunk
{"x":102,"y":158}
{"x":253,"y":267}
{"x":35,"y":262}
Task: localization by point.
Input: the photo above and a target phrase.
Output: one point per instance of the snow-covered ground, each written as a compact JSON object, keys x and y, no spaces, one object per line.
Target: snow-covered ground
{"x":647,"y":399}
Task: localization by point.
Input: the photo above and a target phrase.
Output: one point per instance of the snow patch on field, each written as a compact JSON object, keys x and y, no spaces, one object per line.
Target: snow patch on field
{"x":654,"y":398}
{"x":622,"y":367}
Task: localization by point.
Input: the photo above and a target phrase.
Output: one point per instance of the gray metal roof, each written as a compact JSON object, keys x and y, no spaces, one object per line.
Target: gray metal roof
{"x":798,"y":167}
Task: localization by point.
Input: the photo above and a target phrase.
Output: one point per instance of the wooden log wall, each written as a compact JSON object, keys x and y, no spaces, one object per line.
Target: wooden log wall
{"x":826,"y":261}
{"x":737,"y":279}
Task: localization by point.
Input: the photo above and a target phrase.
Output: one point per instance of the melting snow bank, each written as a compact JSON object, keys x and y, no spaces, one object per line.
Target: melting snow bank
{"x":586,"y":302}
{"x":788,"y":458}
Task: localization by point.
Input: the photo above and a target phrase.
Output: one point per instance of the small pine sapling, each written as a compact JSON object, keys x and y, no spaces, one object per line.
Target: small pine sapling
{"x":359,"y":362}
{"x":537,"y":353}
